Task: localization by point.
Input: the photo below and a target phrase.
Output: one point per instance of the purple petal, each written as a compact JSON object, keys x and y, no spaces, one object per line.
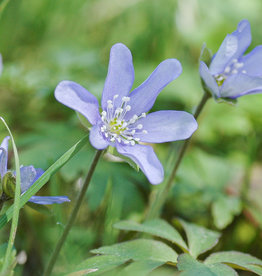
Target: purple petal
{"x":39,"y":173}
{"x":208,"y":79}
{"x":78,"y":98}
{"x":165,"y":126}
{"x":146,"y":159}
{"x":28,"y":174}
{"x":233,"y":46}
{"x":4,"y":144}
{"x":253,"y":62}
{"x":143,"y":97}
{"x":46,"y":200}
{"x":3,"y":156}
{"x":96,"y":138}
{"x":239,"y":85}
{"x":120,"y":75}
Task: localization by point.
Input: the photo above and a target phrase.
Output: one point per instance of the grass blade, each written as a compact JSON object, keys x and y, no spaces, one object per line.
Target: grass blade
{"x":44,"y":179}
{"x":15,"y":211}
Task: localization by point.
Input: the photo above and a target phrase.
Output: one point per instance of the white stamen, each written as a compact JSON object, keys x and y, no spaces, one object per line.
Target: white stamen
{"x":239,"y":65}
{"x":234,"y":60}
{"x":145,"y":131}
{"x":115,"y":127}
{"x":227,"y":69}
{"x":109,"y":105}
{"x":126,"y":99}
{"x":234,"y":71}
{"x":244,"y":71}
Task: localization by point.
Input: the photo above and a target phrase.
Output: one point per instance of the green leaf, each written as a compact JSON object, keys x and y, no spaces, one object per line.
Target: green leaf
{"x":40,"y":208}
{"x":227,"y":100}
{"x":141,"y":249}
{"x":192,"y":267}
{"x":82,"y":272}
{"x":140,"y":268}
{"x":199,"y":238}
{"x":205,"y":55}
{"x":237,"y":260}
{"x":44,"y":179}
{"x":99,"y":264}
{"x":83,"y":120}
{"x":222,"y":270}
{"x":224,"y":209}
{"x":156,"y":227}
{"x":114,"y":152}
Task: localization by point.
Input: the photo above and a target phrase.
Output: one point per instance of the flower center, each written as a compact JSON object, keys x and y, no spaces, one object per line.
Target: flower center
{"x":231,"y":69}
{"x":116,"y":128}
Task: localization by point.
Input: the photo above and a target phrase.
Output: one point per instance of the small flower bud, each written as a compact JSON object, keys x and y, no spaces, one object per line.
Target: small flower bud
{"x":8,"y":184}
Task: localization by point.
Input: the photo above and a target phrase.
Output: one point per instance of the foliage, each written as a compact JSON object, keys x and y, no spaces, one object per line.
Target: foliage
{"x":151,"y":254}
{"x":218,"y":185}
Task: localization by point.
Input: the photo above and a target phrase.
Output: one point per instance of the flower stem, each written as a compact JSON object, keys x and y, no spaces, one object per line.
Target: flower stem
{"x":73,"y":215}
{"x":157,"y":201}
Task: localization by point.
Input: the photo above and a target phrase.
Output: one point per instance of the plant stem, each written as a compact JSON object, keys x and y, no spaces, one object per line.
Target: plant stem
{"x":159,"y":199}
{"x":73,"y":215}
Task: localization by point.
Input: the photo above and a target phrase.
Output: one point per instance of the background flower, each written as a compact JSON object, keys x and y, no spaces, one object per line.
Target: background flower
{"x":230,"y":73}
{"x":123,"y":122}
{"x":28,"y":176}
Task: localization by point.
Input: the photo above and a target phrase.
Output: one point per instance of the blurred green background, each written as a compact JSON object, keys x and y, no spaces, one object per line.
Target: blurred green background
{"x":219,"y":184}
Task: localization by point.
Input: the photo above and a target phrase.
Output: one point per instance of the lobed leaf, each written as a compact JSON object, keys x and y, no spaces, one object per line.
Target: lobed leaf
{"x":237,"y":260}
{"x":199,"y":238}
{"x":192,"y":267}
{"x":224,"y":210}
{"x":140,"y":249}
{"x":156,"y":227}
{"x":140,"y":268}
{"x":98,"y":264}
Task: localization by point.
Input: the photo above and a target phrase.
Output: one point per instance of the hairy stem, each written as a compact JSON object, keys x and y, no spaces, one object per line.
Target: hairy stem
{"x":73,"y":215}
{"x":157,"y":201}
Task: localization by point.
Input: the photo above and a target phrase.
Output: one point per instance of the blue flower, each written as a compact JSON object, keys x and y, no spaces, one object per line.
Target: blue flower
{"x":123,"y":122}
{"x":232,"y":74}
{"x":28,"y":176}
